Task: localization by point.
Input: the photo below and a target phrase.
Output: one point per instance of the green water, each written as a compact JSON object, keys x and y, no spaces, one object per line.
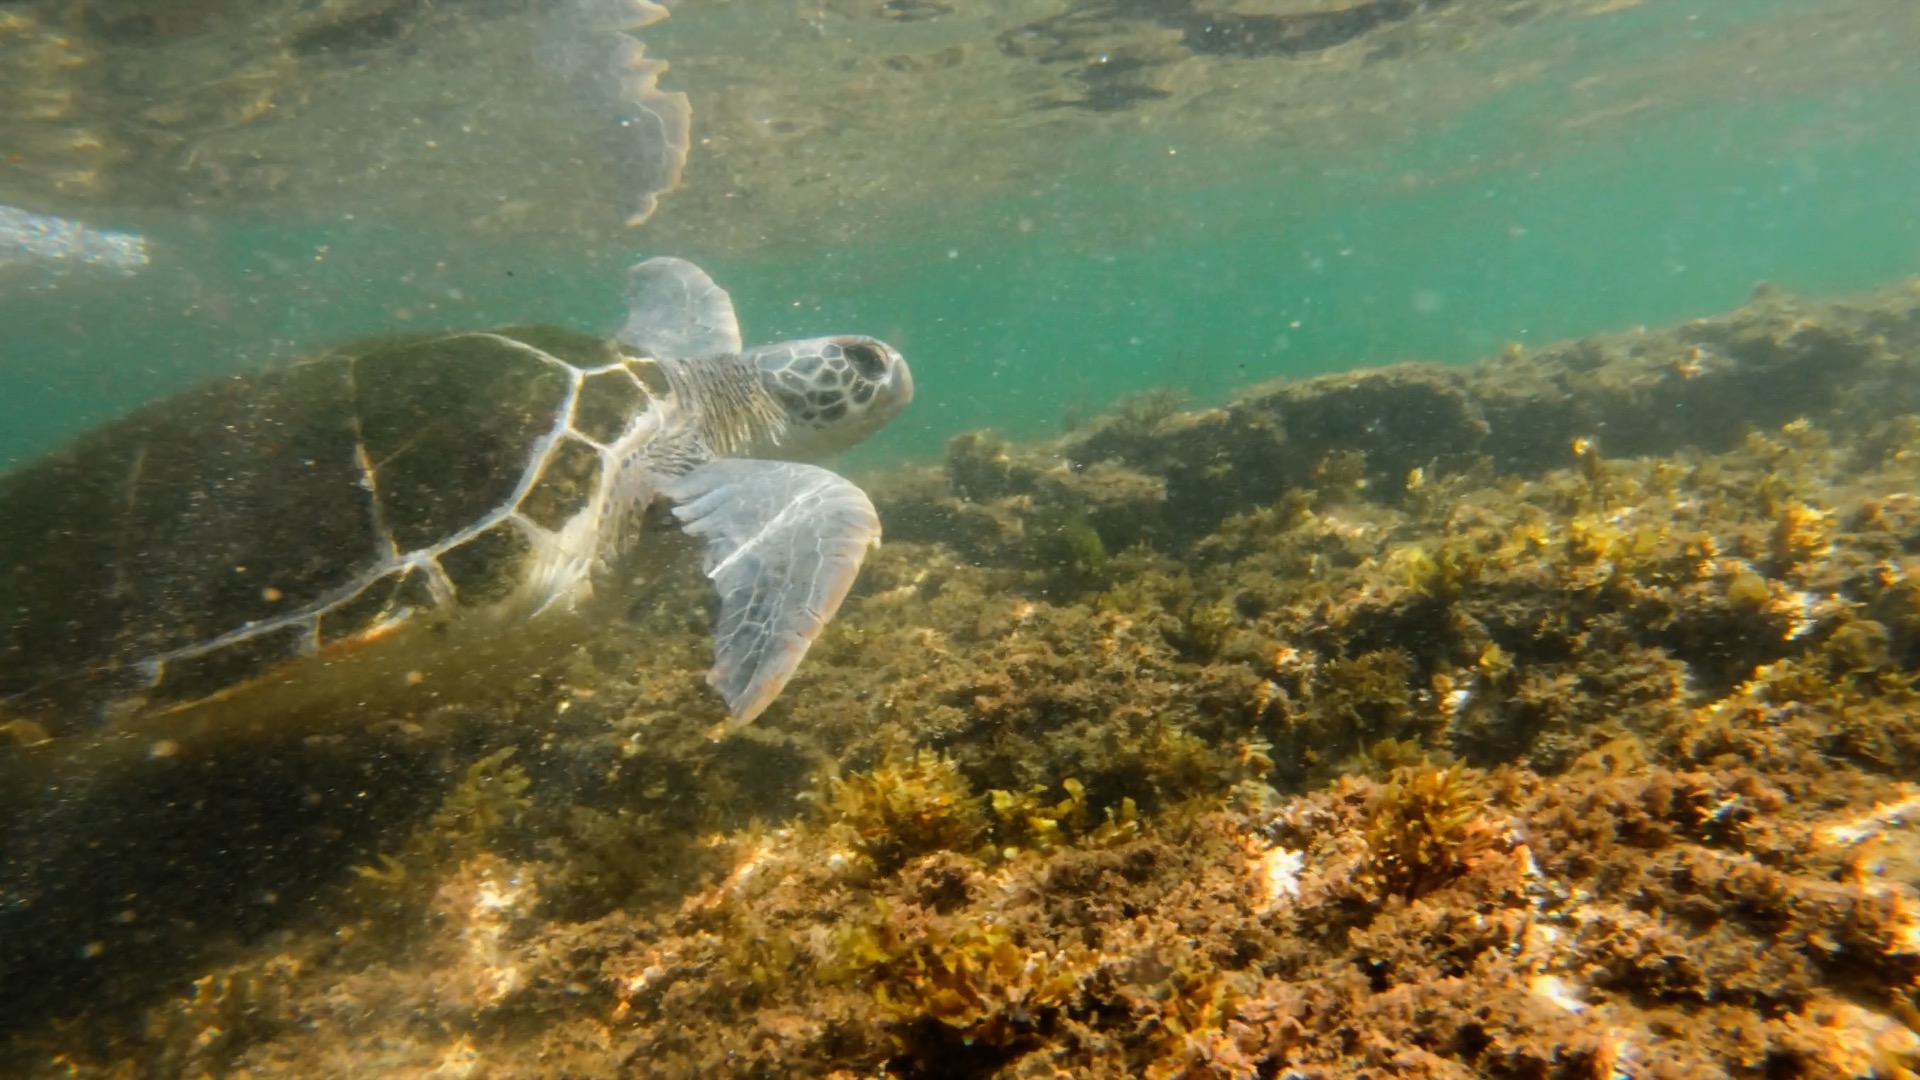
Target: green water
{"x":1131,"y":267}
{"x":1020,"y":332}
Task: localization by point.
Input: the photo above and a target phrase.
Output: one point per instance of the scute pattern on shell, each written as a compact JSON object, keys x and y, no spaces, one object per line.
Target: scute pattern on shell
{"x":301,"y":510}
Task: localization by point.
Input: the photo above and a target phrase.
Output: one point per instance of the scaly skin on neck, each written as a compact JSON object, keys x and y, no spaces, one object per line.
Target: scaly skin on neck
{"x":725,"y":407}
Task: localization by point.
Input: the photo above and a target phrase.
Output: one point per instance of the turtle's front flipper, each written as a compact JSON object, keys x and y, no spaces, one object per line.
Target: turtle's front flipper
{"x":783,"y":544}
{"x":675,"y":309}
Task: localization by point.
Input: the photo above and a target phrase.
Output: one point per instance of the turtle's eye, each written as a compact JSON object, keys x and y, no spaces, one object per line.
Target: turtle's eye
{"x":868,"y":360}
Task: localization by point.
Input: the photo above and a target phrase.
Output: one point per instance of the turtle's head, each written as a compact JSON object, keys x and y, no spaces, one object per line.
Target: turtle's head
{"x":833,"y":391}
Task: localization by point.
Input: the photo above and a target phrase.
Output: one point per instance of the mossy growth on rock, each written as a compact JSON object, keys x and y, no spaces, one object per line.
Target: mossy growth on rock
{"x":1424,"y":829}
{"x":1027,"y":820}
{"x":970,"y":982}
{"x":905,"y":807}
{"x":491,"y":793}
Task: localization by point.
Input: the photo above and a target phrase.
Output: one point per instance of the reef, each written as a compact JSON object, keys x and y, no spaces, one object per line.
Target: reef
{"x":1550,"y":717}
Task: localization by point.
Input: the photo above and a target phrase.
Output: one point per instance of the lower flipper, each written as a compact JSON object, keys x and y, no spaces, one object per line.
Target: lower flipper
{"x":784,"y":542}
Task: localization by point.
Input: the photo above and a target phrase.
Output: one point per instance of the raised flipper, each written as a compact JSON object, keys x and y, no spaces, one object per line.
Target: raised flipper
{"x":783,"y":544}
{"x":675,"y":309}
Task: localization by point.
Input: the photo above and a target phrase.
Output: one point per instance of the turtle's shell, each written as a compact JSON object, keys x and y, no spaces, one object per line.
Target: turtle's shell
{"x":297,"y":513}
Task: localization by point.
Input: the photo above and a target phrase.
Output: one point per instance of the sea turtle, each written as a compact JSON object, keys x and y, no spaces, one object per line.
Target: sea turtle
{"x":393,"y":517}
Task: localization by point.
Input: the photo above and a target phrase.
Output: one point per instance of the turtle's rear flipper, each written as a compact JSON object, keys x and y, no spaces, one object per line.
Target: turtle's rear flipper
{"x":783,"y":544}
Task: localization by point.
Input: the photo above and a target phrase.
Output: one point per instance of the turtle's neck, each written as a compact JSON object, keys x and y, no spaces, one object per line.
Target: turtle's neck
{"x":724,"y":400}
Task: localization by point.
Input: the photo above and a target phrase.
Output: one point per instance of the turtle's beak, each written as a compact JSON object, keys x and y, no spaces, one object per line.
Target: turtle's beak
{"x":902,"y":379}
